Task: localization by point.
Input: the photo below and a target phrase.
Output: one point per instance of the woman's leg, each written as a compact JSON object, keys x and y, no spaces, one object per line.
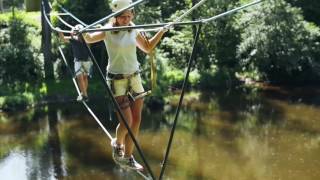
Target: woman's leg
{"x":121,"y":130}
{"x":85,"y":82}
{"x":136,"y":110}
{"x":81,"y":83}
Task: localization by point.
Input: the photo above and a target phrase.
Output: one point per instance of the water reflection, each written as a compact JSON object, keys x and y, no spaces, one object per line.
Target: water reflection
{"x":238,"y":134}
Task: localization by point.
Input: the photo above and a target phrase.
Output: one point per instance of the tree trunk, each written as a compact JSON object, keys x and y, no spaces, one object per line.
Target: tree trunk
{"x":46,"y":43}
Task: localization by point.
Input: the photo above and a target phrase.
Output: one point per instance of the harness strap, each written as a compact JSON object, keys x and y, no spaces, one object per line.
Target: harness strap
{"x":112,"y":76}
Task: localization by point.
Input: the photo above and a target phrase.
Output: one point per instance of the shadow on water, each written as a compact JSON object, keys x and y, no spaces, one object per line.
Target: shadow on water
{"x":237,"y":134}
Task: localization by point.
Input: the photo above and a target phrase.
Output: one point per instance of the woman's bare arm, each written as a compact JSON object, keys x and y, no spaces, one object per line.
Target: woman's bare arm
{"x":147,"y":45}
{"x":94,"y":37}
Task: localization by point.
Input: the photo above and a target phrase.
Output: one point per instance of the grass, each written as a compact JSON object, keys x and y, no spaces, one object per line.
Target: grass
{"x":30,"y":18}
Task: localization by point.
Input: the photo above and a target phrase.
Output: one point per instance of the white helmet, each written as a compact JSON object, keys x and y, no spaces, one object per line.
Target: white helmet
{"x":116,"y":5}
{"x":77,"y":27}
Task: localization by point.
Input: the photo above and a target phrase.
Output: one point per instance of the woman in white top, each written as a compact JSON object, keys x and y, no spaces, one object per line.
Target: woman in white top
{"x":123,"y":76}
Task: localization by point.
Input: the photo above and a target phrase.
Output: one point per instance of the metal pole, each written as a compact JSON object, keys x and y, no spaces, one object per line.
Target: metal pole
{"x":185,"y":82}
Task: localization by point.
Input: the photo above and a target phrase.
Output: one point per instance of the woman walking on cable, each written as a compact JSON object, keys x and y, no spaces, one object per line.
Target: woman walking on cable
{"x":123,"y":76}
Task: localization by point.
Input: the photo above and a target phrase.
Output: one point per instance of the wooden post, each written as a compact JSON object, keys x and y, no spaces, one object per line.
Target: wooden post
{"x":46,"y":42}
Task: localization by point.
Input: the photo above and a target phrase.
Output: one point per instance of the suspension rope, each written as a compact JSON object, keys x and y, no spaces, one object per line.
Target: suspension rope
{"x":153,"y":27}
{"x":64,"y":22}
{"x":78,"y":91}
{"x":71,"y":15}
{"x":48,"y":21}
{"x":231,"y":11}
{"x":57,"y":14}
{"x":59,"y":17}
{"x":186,"y":13}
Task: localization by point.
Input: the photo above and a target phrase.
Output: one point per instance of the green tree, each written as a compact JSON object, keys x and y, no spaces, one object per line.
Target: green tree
{"x":310,"y":9}
{"x":278,"y":44}
{"x":19,"y":61}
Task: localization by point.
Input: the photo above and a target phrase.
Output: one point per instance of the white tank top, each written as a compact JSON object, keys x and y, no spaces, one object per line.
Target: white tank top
{"x":122,"y":51}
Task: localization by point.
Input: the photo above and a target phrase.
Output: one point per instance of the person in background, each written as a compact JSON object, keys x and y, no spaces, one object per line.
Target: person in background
{"x":82,"y":63}
{"x":123,"y":76}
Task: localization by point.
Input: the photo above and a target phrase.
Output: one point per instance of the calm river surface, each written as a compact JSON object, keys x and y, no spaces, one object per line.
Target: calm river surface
{"x":230,"y":135}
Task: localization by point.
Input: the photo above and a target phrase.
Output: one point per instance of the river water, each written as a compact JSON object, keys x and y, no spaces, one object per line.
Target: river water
{"x":239,"y":134}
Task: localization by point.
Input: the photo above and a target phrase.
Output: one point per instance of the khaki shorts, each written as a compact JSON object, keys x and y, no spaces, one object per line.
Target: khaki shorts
{"x":82,"y":67}
{"x":121,"y":87}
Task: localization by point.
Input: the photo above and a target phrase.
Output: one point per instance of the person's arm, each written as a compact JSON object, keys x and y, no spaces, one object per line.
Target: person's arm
{"x":147,"y":45}
{"x":64,"y":38}
{"x":94,"y":37}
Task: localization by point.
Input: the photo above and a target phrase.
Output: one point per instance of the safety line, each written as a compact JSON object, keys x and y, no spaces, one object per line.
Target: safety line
{"x":59,"y":17}
{"x":231,"y":11}
{"x":48,"y":21}
{"x":187,"y":12}
{"x":64,"y":22}
{"x":150,"y":26}
{"x":73,"y":16}
{"x":84,"y":103}
{"x":185,"y":82}
{"x":57,"y":14}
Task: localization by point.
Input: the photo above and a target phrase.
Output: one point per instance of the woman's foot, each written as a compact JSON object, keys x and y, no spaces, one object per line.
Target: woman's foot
{"x":131,"y":163}
{"x":117,"y":151}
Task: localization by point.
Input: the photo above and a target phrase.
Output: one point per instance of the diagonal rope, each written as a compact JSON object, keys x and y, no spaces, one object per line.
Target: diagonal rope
{"x":83,"y":102}
{"x":71,"y":15}
{"x":231,"y":11}
{"x":185,"y":82}
{"x":187,"y":12}
{"x":48,"y":21}
{"x":59,"y":17}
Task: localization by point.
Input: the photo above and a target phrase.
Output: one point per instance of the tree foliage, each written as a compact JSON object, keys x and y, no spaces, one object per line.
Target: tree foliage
{"x":19,"y":60}
{"x":277,"y":43}
{"x":310,"y":9}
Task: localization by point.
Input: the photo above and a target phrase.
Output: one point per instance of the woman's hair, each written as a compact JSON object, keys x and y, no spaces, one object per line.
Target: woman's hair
{"x":114,"y":23}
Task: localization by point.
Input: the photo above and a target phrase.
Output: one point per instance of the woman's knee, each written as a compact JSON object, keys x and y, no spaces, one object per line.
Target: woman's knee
{"x":123,"y":102}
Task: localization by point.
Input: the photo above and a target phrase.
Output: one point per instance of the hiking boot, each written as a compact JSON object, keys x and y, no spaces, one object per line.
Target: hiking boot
{"x":117,"y":151}
{"x":82,"y":98}
{"x":131,"y":163}
{"x":79,"y":98}
{"x":85,"y":98}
